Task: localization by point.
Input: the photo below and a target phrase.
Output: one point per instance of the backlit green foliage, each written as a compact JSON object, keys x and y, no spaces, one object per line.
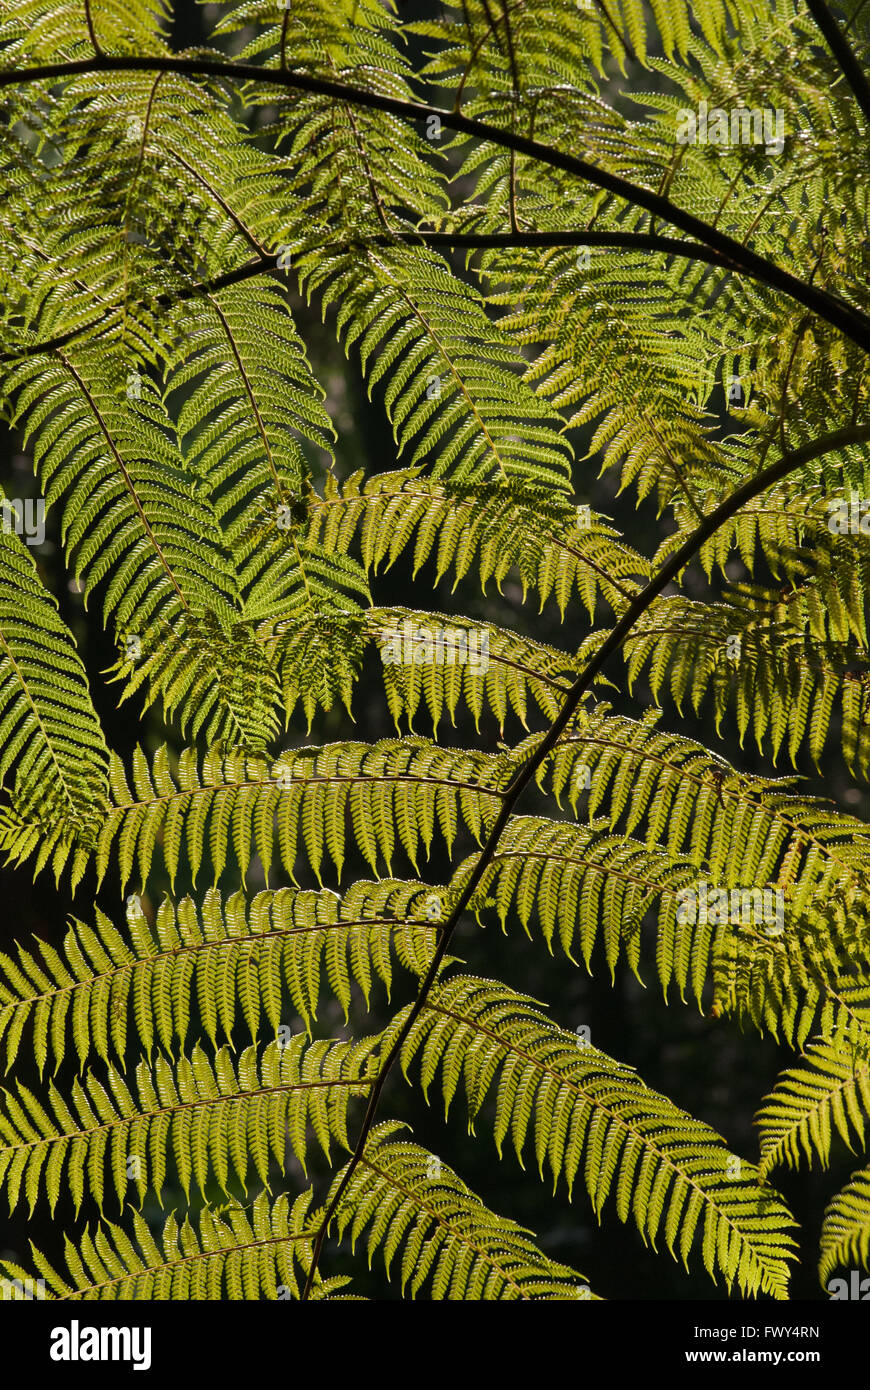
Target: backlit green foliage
{"x":168,"y":224}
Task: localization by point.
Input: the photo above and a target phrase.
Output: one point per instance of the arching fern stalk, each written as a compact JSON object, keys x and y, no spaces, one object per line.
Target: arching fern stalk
{"x":678,"y":281}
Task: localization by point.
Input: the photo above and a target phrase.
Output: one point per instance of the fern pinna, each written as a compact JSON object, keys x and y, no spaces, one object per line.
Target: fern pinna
{"x":558,"y":243}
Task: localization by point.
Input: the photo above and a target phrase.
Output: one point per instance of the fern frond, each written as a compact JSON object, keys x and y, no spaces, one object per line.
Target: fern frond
{"x":768,"y":656}
{"x":438,"y":659}
{"x":791,"y":532}
{"x":316,"y":656}
{"x":486,"y":529}
{"x":164,"y":380}
{"x":248,"y":400}
{"x":42,"y":31}
{"x":453,"y":385}
{"x":394,"y":793}
{"x":666,"y":1171}
{"x":233,"y":960}
{"x":552,"y":37}
{"x":846,"y":1227}
{"x":635,"y":392}
{"x":449,"y":1241}
{"x":50,"y":736}
{"x":800,"y":983}
{"x":831,"y":1089}
{"x":451,"y":380}
{"x":260,"y":1251}
{"x":128,"y":493}
{"x":740,"y":829}
{"x":346,"y":164}
{"x":585,"y":885}
{"x":211,"y":678}
{"x":794,"y":976}
{"x":215,"y":1120}
{"x":426,"y":657}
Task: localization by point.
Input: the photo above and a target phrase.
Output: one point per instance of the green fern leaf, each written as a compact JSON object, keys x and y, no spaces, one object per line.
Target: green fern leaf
{"x":396,"y":792}
{"x":846,"y":1227}
{"x":410,"y":1201}
{"x":830,"y":1090}
{"x":226,"y":957}
{"x":263,"y":1251}
{"x":49,"y":732}
{"x":666,"y":1171}
{"x":213,"y":1120}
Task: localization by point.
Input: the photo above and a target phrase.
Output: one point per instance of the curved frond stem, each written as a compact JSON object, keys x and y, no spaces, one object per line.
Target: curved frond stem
{"x":835,"y":39}
{"x":672,"y":567}
{"x":842,"y":315}
{"x":268,"y":264}
{"x":89,"y":20}
{"x":457,"y":241}
{"x":285,"y":24}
